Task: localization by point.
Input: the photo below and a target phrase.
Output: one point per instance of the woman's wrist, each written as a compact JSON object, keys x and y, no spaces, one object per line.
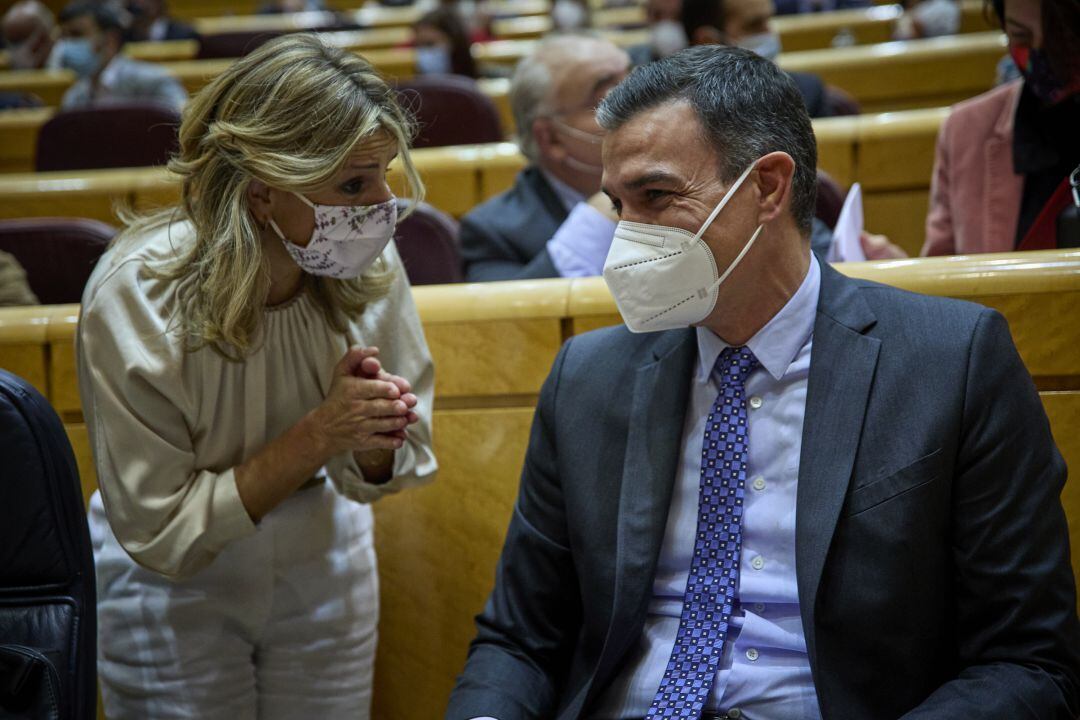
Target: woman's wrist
{"x":377,"y":466}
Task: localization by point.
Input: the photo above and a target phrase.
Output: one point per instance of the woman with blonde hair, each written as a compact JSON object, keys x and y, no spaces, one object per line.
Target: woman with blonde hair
{"x":235,"y":362}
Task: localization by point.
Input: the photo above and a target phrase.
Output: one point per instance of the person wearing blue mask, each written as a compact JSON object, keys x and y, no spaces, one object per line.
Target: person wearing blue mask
{"x":442,"y":44}
{"x":92,"y":36}
{"x":746,"y":24}
{"x":752,"y":501}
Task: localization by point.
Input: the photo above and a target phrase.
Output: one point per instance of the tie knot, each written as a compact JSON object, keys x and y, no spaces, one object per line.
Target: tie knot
{"x":735,"y":365}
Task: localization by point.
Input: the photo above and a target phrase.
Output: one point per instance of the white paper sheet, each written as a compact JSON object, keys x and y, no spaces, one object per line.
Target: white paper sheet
{"x":846,"y":245}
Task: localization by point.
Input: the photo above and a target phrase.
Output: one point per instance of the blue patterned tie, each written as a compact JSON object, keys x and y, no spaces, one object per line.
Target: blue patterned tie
{"x":714,"y":569}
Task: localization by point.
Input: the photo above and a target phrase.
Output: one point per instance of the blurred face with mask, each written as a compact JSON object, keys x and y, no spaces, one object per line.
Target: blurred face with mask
{"x":28,"y":31}
{"x":566,"y":134}
{"x":1051,"y":79}
{"x":85,"y":47}
{"x":433,"y":50}
{"x":739,"y":23}
{"x":666,"y":33}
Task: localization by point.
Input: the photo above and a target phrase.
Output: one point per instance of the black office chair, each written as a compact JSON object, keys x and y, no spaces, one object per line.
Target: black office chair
{"x":48,"y":626}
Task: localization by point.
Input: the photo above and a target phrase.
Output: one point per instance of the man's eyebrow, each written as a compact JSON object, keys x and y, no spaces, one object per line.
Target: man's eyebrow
{"x":650,"y":178}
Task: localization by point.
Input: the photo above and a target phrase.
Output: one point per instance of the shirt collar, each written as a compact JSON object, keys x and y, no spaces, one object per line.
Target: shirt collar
{"x":567,"y":195}
{"x":778,"y":343}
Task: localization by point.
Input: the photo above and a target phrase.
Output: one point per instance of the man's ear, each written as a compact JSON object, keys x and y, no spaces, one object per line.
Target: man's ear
{"x":773,"y":175}
{"x":706,"y":35}
{"x":258,"y":198}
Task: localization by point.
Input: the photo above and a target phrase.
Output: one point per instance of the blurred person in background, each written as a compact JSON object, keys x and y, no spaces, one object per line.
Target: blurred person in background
{"x":150,"y":21}
{"x":1001,"y":172}
{"x":239,"y":357}
{"x":554,"y":221}
{"x":14,"y":289}
{"x":666,"y":33}
{"x":793,"y":7}
{"x":442,"y":43}
{"x":29,"y":31}
{"x":92,"y":38}
{"x":746,"y":24}
{"x":928,"y":18}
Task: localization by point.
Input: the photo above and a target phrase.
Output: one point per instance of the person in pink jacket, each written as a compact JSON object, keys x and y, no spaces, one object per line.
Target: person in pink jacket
{"x":1001,"y":174}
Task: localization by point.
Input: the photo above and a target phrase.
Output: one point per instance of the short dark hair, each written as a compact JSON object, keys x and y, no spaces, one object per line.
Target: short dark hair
{"x":702,"y":13}
{"x":746,"y":105}
{"x":104,"y":17}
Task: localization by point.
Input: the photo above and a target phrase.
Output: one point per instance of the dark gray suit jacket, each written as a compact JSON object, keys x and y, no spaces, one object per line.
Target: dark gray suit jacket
{"x":932,"y":551}
{"x":505,"y":238}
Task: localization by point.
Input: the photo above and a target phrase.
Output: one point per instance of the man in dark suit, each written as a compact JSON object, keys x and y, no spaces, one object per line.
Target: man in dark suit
{"x":150,"y":21}
{"x":801,"y":495}
{"x":553,"y":222}
{"x":745,"y":23}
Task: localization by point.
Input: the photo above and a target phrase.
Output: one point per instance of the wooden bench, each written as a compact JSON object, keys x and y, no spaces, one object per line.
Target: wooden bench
{"x":891,"y":155}
{"x":493,"y":344}
{"x":882,"y":77}
{"x":811,"y":31}
{"x":457,"y":177}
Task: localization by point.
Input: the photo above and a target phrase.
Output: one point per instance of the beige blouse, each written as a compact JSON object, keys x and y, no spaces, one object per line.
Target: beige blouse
{"x":168,"y":426}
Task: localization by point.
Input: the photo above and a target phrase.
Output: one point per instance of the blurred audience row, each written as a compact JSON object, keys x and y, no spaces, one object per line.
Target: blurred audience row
{"x":1005,"y":176}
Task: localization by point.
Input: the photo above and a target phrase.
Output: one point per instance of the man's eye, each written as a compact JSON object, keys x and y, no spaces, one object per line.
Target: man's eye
{"x":654,"y":195}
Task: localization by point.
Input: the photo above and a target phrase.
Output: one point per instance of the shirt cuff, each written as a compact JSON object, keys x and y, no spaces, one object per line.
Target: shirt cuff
{"x":580,"y":245}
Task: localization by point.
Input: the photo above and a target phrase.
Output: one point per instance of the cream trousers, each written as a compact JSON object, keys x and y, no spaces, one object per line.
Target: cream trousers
{"x":281,"y":626}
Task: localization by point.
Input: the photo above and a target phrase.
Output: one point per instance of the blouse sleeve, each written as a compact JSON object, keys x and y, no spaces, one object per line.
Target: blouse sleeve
{"x":392,"y":325}
{"x":171,"y":516}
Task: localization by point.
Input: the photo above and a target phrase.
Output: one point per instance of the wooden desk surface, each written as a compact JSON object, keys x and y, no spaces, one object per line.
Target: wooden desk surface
{"x":908,"y":74}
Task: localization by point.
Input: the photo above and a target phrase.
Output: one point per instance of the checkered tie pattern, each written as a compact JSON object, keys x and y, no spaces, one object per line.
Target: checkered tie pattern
{"x":714,"y":568}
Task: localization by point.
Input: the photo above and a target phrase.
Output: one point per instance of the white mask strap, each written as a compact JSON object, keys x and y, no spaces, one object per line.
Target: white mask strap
{"x":304,"y":200}
{"x":280,"y":234}
{"x":735,"y":263}
{"x":721,"y":204}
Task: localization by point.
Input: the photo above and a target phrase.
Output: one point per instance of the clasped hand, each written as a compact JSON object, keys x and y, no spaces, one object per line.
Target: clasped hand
{"x":366,"y":408}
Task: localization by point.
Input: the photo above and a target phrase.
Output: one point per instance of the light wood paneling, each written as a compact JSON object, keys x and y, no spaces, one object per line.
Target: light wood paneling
{"x":438,"y":547}
{"x":896,"y":150}
{"x":899,"y":214}
{"x":1063,"y":409}
{"x":900,"y":75}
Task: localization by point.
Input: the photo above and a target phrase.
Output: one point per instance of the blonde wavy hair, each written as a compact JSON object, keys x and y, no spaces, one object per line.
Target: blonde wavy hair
{"x":289,"y":115}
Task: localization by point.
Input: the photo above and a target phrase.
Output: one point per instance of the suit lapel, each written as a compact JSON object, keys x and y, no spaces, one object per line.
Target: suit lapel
{"x":841,"y":373}
{"x":653,"y":448}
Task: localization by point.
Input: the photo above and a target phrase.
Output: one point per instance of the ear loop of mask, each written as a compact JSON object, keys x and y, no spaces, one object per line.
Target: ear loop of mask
{"x":702,"y":292}
{"x":582,"y":135}
{"x":274,"y":224}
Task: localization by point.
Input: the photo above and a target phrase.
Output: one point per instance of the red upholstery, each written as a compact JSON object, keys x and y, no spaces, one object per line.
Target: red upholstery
{"x":427,"y":243}
{"x":830,"y":199}
{"x":232,"y":44}
{"x":450,"y":110}
{"x":841,"y":102}
{"x":58,"y":254}
{"x":111,"y":136}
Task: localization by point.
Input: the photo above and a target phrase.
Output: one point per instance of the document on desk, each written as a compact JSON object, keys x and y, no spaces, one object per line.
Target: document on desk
{"x":846,"y":244}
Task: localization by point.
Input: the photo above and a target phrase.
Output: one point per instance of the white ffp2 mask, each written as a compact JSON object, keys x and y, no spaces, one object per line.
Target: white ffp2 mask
{"x":346,"y":238}
{"x":663,"y":277}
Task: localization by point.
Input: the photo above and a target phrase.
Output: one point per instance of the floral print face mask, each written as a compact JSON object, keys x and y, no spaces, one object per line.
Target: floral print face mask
{"x":346,"y":238}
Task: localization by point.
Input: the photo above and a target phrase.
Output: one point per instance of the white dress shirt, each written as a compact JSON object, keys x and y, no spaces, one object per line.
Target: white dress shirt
{"x":764,"y":671}
{"x":580,"y":246}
